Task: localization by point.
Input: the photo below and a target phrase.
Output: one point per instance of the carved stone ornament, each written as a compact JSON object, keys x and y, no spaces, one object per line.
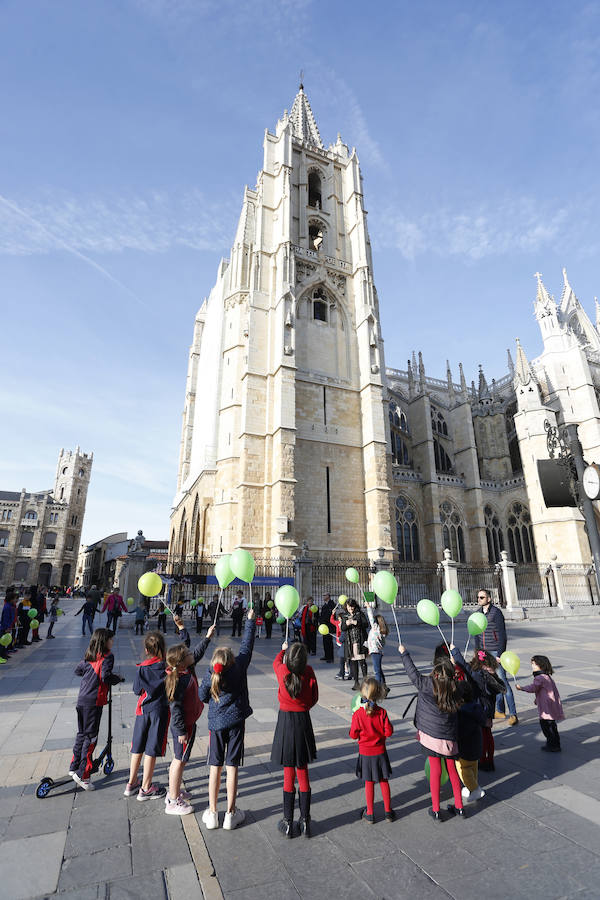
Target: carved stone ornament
{"x":288,"y":350}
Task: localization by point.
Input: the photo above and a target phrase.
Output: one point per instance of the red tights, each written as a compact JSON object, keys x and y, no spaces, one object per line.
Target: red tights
{"x":487,"y":755}
{"x":435,"y":769}
{"x":289,"y":777}
{"x":370,"y":795}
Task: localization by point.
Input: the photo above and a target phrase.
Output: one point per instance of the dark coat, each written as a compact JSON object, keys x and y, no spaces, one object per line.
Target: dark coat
{"x":429,"y":718}
{"x":471,"y":719}
{"x":233,"y":706}
{"x":485,"y":685}
{"x":354,"y":633}
{"x":493,"y":639}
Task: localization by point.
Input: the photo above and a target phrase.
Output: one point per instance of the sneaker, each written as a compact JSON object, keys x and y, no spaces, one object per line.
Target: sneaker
{"x":340,"y":677}
{"x":499,"y":715}
{"x":513,"y":720}
{"x":465,"y":793}
{"x":154,"y":792}
{"x":476,"y":794}
{"x":131,"y":789}
{"x":210,"y":819}
{"x":183,"y":795}
{"x":177,"y":808}
{"x":84,"y":783}
{"x":233,"y":819}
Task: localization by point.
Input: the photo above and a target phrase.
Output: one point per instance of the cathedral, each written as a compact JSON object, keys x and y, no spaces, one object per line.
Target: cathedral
{"x":297,"y":435}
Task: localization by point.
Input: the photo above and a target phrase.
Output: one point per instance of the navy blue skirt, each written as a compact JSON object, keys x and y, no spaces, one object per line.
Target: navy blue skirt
{"x":373,"y":768}
{"x":294,"y":740}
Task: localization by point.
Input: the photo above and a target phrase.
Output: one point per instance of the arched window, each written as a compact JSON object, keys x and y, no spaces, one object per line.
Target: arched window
{"x":443,"y":463}
{"x":493,"y":534}
{"x":452,"y":530}
{"x":314,"y":190}
{"x":184,"y":540}
{"x":319,"y":305}
{"x":407,"y":531}
{"x":316,"y":235}
{"x":30,"y":514}
{"x":520,"y":534}
{"x":438,"y":422}
{"x":398,"y":433}
{"x":513,"y":440}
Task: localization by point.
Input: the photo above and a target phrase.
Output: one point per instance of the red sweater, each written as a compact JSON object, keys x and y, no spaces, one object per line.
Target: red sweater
{"x":371,"y":731}
{"x":309,"y":695}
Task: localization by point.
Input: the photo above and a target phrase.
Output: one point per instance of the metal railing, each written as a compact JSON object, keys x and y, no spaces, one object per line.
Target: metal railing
{"x":417,"y":581}
{"x":579,"y":585}
{"x":535,"y":585}
{"x":472,"y":577}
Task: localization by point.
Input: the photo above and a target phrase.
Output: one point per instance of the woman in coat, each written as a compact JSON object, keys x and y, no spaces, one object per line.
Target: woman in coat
{"x":355,"y":627}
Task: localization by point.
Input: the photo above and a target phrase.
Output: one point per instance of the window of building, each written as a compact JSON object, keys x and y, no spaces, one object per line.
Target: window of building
{"x":1,"y":568}
{"x":62,"y":493}
{"x":21,"y":570}
{"x":314,"y":190}
{"x":493,"y":534}
{"x":50,"y":540}
{"x":70,"y":542}
{"x":4,"y":538}
{"x":6,"y":515}
{"x":81,"y":473}
{"x":513,"y":441}
{"x":316,"y":236}
{"x":320,"y":305}
{"x":443,"y":463}
{"x":407,"y":531}
{"x":26,"y":539}
{"x":30,"y":514}
{"x":452,"y":530}
{"x":520,"y":535}
{"x":398,"y":433}
{"x":73,"y":520}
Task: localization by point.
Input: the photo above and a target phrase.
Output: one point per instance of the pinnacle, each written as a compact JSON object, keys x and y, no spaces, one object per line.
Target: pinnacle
{"x":303,"y":120}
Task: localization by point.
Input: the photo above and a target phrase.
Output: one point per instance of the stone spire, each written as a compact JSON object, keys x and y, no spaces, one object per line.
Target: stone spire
{"x":524,"y":373}
{"x":303,"y":120}
{"x":463,"y":382}
{"x":421,"y":373}
{"x":597,"y":314}
{"x":483,"y":390}
{"x":544,"y":304}
{"x":411,"y":380}
{"x":568,"y":298}
{"x":511,"y":365}
{"x":450,"y":383}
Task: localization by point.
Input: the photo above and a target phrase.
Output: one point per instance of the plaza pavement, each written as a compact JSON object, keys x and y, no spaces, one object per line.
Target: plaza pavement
{"x":536,"y":834}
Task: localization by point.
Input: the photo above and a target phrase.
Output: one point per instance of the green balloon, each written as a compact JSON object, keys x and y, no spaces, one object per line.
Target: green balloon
{"x":385,"y":586}
{"x":280,"y":620}
{"x":59,"y":612}
{"x":130,"y":601}
{"x":342,"y":599}
{"x":34,"y":624}
{"x":511,"y":662}
{"x":314,"y":608}
{"x":355,"y":703}
{"x":5,"y":640}
{"x":476,"y":623}
{"x":428,"y":612}
{"x":150,"y":584}
{"x":32,"y":613}
{"x":451,"y":603}
{"x":193,"y":604}
{"x":223,"y":571}
{"x":287,"y":600}
{"x":268,"y":615}
{"x":270,"y":604}
{"x":444,"y":777}
{"x":242,"y":565}
{"x":352,"y":576}
{"x":323,"y":629}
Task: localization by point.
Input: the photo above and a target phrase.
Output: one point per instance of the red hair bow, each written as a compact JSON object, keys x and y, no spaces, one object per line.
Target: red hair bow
{"x":481,"y":655}
{"x":218,"y":668}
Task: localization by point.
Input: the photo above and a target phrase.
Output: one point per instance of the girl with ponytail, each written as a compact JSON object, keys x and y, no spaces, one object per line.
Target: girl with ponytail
{"x":294,"y":740}
{"x":181,"y":686}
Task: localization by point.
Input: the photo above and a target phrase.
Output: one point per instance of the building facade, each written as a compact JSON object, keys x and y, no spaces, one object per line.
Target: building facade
{"x":40,"y":532}
{"x":296,"y":434}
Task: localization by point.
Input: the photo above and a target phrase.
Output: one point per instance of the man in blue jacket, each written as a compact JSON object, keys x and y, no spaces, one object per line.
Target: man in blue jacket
{"x":493,"y":639}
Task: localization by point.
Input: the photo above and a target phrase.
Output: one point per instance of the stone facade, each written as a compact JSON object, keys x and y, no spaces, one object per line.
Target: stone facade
{"x":295,"y":432}
{"x":40,"y":532}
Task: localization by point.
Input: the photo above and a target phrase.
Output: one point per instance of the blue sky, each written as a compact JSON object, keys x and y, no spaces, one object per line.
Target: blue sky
{"x":128,"y":129}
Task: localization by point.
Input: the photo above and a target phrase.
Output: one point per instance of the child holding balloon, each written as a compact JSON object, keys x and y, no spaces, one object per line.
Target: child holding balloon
{"x":547,"y":700}
{"x":483,"y":669}
{"x":370,"y":727}
{"x":436,"y":718}
{"x":294,"y":740}
{"x":375,"y":644}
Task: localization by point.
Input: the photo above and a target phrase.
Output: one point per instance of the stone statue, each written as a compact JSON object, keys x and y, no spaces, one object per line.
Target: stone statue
{"x":137,"y":543}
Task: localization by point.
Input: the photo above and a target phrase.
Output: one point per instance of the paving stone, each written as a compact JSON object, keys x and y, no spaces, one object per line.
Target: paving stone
{"x":92,"y":892}
{"x":182,"y":883}
{"x":45,"y":821}
{"x":20,"y":879}
{"x":95,"y":828}
{"x":92,"y":868}
{"x":390,"y":878}
{"x":242,"y":858}
{"x":150,"y":887}
{"x":158,"y":842}
{"x":277,"y":890}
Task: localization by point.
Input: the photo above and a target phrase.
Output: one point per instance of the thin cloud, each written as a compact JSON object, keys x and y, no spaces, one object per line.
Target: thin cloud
{"x":338,"y":94}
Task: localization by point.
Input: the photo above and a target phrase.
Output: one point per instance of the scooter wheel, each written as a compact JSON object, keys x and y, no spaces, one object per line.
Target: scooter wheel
{"x":109,"y":766}
{"x":44,"y":788}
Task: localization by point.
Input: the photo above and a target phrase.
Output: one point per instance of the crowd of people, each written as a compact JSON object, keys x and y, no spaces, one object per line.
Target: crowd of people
{"x":456,"y":705}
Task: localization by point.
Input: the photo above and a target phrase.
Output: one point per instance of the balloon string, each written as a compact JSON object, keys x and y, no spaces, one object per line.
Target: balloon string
{"x":452,"y":633}
{"x":397,"y":628}
{"x":444,"y":639}
{"x":467,"y":646}
{"x":217,"y":609}
{"x":287,"y":625}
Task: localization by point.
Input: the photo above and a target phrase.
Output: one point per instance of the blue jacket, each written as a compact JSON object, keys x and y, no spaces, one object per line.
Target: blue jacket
{"x":96,"y":678}
{"x":9,"y":615}
{"x":493,"y":639}
{"x":149,"y":685}
{"x":429,"y":718}
{"x":233,"y":705}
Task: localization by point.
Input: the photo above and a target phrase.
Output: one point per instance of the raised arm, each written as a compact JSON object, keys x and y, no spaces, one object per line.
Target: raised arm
{"x":413,"y":673}
{"x":245,"y":654}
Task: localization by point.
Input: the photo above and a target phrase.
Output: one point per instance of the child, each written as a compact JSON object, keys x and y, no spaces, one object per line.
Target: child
{"x":53,"y":618}
{"x":471,"y":721}
{"x":225,"y":686}
{"x":162,"y":617}
{"x":186,"y":708}
{"x":140,"y":618}
{"x":96,"y":674}
{"x":340,"y":644}
{"x":547,"y":700}
{"x":294,"y":740}
{"x":199,"y":609}
{"x":151,"y":719}
{"x":436,"y":719}
{"x":483,"y":671}
{"x":371,"y":726}
{"x":375,"y":644}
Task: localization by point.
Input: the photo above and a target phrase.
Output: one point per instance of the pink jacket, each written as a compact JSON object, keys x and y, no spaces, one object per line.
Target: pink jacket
{"x":112,"y":601}
{"x":547,"y":698}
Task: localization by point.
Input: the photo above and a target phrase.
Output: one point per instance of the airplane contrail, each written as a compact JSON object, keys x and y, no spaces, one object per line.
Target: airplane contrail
{"x":72,"y":250}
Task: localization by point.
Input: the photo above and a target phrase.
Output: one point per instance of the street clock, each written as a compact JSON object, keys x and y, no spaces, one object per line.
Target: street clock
{"x":591,"y":481}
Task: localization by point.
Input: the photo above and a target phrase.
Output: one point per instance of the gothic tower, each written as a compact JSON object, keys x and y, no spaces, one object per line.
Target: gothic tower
{"x":284,"y":427}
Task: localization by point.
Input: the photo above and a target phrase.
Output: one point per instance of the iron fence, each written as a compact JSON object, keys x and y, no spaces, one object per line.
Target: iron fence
{"x":474,"y":577}
{"x":579,"y":584}
{"x":535,"y":585}
{"x":417,"y":581}
{"x":330,"y":578}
